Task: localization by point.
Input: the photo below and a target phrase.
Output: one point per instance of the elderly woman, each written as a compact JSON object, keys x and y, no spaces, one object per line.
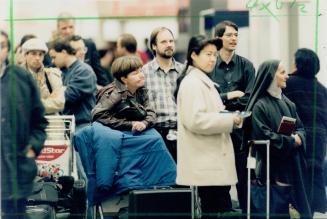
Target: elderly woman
{"x":287,"y":164}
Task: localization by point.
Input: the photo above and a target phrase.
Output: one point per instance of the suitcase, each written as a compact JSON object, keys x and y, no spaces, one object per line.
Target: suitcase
{"x":112,"y":208}
{"x":277,"y":197}
{"x":251,"y":165}
{"x":161,"y":203}
{"x":40,"y":212}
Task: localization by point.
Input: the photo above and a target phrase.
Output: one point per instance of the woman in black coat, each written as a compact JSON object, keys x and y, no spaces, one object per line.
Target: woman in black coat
{"x":287,"y":164}
{"x":310,"y":98}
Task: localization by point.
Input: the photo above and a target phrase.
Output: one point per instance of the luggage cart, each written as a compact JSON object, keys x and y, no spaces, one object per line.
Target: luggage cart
{"x":57,"y":157}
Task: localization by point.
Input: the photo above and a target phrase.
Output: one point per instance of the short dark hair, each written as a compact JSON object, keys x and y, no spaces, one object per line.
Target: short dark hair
{"x":153,"y":37}
{"x":7,"y":38}
{"x":221,"y":27}
{"x":128,"y":41}
{"x":124,"y":65}
{"x":25,"y":38}
{"x":196,"y":45}
{"x":62,"y":44}
{"x":307,"y":63}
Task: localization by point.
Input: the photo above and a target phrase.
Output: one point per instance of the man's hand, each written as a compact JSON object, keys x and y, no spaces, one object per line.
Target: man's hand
{"x":138,"y":126}
{"x":235,"y":94}
{"x":30,"y":153}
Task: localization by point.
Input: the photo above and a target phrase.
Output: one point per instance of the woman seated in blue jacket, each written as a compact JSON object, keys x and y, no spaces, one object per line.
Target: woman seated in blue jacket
{"x":124,"y":104}
{"x":120,"y":150}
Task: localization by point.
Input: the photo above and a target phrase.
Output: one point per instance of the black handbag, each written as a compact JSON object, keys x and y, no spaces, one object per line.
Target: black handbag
{"x":130,"y":110}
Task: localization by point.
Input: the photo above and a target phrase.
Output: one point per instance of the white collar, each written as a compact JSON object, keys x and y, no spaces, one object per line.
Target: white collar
{"x":274,"y":90}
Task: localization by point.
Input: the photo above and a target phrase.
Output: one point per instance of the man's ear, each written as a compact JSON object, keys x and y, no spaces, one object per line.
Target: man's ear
{"x":125,"y":52}
{"x":153,"y":47}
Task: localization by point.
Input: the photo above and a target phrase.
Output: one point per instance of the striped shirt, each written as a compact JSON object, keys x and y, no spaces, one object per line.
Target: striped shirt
{"x":161,"y":88}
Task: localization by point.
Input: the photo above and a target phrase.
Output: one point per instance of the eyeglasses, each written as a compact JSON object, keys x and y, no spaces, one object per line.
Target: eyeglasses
{"x":229,"y":35}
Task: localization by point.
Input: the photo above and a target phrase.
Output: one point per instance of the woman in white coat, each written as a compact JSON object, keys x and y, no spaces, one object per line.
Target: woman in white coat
{"x":205,"y":152}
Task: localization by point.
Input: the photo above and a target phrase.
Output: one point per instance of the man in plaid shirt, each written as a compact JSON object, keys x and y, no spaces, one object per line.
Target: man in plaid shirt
{"x":160,"y":79}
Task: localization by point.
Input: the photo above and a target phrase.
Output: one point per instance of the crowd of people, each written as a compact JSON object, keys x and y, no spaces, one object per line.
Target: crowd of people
{"x":185,"y":115}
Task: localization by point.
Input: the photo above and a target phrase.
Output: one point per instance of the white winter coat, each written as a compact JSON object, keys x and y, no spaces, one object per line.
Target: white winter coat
{"x":205,"y":154}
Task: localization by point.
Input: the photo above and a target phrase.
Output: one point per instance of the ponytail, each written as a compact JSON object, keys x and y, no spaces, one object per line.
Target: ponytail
{"x":180,"y":79}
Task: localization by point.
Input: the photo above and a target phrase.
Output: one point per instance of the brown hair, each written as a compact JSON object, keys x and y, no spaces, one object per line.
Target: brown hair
{"x":221,"y":27}
{"x":124,"y":65}
{"x":128,"y":41}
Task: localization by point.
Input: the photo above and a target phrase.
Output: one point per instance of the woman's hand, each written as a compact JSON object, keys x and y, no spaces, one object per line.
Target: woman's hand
{"x":238,"y":121}
{"x":298,"y":141}
{"x":138,"y":126}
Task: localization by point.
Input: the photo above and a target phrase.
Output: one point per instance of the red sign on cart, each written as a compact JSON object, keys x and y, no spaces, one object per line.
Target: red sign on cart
{"x":51,"y":152}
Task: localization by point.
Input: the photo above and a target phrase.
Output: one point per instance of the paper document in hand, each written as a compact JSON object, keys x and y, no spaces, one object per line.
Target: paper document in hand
{"x":287,"y":125}
{"x":245,"y":114}
{"x":242,"y":114}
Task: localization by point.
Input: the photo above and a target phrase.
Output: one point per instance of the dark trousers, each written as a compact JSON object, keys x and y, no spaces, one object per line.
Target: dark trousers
{"x":171,"y":145}
{"x":214,"y":200}
{"x":241,"y":186}
{"x":240,"y":163}
{"x":13,"y":209}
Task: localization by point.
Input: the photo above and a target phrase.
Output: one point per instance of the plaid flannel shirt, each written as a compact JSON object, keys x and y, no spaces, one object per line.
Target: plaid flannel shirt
{"x":161,"y":88}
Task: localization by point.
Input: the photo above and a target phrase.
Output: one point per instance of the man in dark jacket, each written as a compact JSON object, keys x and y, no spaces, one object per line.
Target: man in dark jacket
{"x":80,"y":87}
{"x":234,"y":75}
{"x":78,"y":79}
{"x":310,"y":98}
{"x":22,"y":134}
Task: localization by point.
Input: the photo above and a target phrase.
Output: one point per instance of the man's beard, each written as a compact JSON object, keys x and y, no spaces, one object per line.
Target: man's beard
{"x":166,"y":54}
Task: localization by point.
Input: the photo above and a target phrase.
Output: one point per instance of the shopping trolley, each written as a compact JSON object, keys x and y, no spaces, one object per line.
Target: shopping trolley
{"x":57,"y":156}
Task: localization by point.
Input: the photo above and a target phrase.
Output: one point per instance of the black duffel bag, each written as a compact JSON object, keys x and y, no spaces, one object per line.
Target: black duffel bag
{"x":44,"y":193}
